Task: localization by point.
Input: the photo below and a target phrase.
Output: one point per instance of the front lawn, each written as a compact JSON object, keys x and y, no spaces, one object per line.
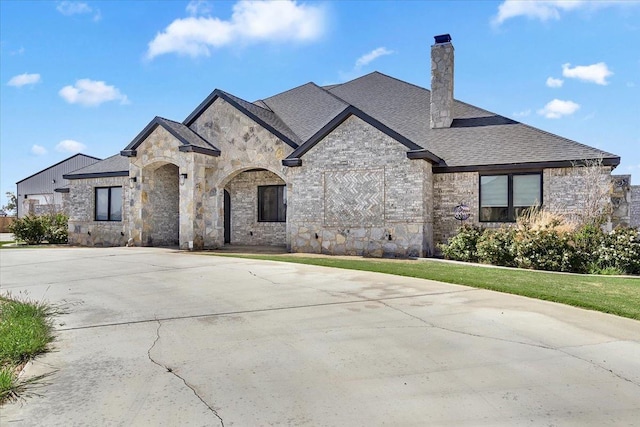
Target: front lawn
{"x":615,"y":295}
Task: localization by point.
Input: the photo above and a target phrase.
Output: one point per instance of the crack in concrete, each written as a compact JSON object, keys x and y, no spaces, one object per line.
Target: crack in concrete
{"x":542,"y":346}
{"x":173,"y":372}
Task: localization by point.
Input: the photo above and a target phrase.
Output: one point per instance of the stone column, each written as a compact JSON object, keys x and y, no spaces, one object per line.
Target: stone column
{"x":192,"y":193}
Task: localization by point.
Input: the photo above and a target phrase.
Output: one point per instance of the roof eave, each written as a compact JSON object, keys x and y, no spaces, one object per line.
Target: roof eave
{"x":201,"y":150}
{"x":607,"y":161}
{"x":425,"y":155}
{"x":96,"y":175}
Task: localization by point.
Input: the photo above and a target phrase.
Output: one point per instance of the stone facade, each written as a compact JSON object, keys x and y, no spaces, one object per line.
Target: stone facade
{"x":244,"y":146}
{"x":576,"y":192}
{"x":634,"y":208}
{"x":621,"y":200}
{"x":79,"y":202}
{"x":356,"y":193}
{"x":157,"y":168}
{"x":450,"y":190}
{"x":564,"y":191}
{"x":245,"y":227}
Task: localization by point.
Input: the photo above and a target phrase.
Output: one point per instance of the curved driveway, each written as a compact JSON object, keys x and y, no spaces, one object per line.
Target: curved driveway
{"x":159,"y":337}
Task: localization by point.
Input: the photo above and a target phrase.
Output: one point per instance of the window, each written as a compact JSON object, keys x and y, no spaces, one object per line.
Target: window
{"x":505,"y":197}
{"x":272,"y":203}
{"x":109,"y":204}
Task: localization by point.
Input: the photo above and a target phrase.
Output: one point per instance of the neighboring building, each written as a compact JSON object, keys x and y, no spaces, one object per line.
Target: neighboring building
{"x":374,"y":166}
{"x":36,"y":194}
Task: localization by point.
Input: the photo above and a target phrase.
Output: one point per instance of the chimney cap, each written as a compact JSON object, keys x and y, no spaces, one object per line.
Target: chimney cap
{"x":444,"y":38}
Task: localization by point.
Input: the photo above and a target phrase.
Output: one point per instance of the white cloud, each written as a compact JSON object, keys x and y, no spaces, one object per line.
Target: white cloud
{"x":199,"y":7}
{"x":70,"y":146}
{"x":91,"y":93}
{"x":24,"y":79}
{"x":631,"y":84}
{"x":251,"y":22}
{"x":595,"y":73}
{"x":558,"y":108}
{"x":38,"y":150}
{"x":73,"y":8}
{"x":523,"y":113}
{"x":69,"y":8}
{"x":545,"y":10}
{"x":542,"y":10}
{"x":552,"y":82}
{"x":374,"y":54}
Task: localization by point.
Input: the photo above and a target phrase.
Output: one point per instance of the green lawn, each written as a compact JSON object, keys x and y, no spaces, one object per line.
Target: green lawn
{"x":615,"y":295}
{"x":25,"y":332}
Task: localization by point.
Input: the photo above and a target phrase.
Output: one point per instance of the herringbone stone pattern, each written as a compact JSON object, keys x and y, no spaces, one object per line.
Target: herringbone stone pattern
{"x":354,"y":197}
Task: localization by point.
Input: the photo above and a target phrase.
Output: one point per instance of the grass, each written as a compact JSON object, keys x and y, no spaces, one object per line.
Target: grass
{"x":25,"y":332}
{"x":614,"y":295}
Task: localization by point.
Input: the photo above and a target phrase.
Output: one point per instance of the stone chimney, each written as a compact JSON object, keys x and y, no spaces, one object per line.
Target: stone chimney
{"x":442,"y":82}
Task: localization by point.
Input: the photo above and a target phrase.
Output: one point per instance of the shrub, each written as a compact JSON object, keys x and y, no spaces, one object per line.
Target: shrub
{"x":30,"y":229}
{"x":620,"y":250}
{"x":57,"y":229}
{"x":544,"y":249}
{"x":462,"y":246}
{"x":496,"y":247}
{"x":36,"y":229}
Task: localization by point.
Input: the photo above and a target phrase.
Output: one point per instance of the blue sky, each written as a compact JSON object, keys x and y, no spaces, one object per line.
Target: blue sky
{"x":88,"y":76}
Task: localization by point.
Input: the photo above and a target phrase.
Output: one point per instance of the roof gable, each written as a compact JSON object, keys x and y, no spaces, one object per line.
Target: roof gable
{"x":416,"y":152}
{"x":116,"y":165}
{"x":190,"y":140}
{"x":264,"y":117}
{"x":58,"y":164}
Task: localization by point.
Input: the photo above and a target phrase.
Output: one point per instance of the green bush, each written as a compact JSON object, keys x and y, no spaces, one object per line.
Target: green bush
{"x":36,"y":229}
{"x":462,"y":246}
{"x":29,"y":229}
{"x":496,"y":247}
{"x":57,"y":229}
{"x":620,"y":250}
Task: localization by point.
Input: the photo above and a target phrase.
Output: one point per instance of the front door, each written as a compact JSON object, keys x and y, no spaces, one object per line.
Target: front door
{"x":227,"y":217}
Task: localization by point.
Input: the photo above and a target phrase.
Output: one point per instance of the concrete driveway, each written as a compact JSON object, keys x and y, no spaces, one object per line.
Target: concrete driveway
{"x":159,"y":337}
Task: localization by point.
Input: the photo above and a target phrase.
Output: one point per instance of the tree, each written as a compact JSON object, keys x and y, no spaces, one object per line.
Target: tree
{"x":12,"y":203}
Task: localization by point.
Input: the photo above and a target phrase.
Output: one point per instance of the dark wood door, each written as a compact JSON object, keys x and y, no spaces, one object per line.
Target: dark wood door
{"x":227,"y":217}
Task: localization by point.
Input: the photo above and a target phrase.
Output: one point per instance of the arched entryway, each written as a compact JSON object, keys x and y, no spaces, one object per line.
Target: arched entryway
{"x":255,"y":208}
{"x":161,"y":205}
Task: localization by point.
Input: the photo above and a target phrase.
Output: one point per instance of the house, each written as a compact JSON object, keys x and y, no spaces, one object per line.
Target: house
{"x":374,"y":166}
{"x":36,"y":194}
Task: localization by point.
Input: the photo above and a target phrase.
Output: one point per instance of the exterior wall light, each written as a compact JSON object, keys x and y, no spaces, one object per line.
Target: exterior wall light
{"x":183,"y":178}
{"x":132,"y":181}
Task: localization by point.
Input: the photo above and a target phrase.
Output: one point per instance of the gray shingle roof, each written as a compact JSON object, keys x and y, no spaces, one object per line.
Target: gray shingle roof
{"x":306,"y":109}
{"x":111,"y":166}
{"x":476,"y":137}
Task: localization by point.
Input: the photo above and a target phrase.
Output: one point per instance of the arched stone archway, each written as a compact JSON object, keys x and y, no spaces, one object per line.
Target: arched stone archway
{"x":161,"y":205}
{"x":256,"y":208}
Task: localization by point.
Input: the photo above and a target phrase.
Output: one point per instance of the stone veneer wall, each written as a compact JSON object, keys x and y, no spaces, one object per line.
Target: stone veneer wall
{"x":244,"y":145}
{"x":621,"y":200}
{"x":245,"y":228}
{"x":634,"y":210}
{"x":162,"y":207}
{"x":80,"y":204}
{"x":357,"y":193}
{"x":449,"y":191}
{"x":565,"y":190}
